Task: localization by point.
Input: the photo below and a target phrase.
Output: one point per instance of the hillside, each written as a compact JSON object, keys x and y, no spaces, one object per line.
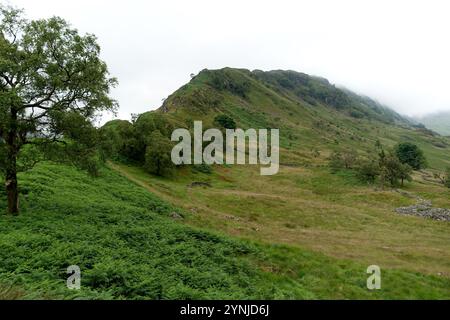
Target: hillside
{"x":226,"y":232}
{"x":439,"y":122}
{"x":128,"y":246}
{"x":305,"y":205}
{"x":310,"y":112}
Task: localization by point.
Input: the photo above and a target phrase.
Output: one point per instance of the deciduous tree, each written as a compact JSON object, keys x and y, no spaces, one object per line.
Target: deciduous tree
{"x":50,"y":76}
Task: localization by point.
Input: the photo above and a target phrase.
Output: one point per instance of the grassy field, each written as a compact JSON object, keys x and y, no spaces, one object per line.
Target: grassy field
{"x":311,"y":208}
{"x":128,"y":246}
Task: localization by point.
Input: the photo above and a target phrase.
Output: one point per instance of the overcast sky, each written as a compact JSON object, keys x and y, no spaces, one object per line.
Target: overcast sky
{"x":397,"y":52}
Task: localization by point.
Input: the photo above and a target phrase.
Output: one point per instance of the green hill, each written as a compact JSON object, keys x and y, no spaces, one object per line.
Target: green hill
{"x":226,"y":232}
{"x":128,"y":246}
{"x":309,"y":111}
{"x":305,"y":205}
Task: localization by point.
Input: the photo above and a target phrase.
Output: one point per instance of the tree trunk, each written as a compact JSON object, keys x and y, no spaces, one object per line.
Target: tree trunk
{"x":12,"y":192}
{"x":11,"y":165}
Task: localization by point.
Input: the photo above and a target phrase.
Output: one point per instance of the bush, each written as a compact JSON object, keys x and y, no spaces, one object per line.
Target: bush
{"x":343,"y":160}
{"x":368,"y":170}
{"x":393,"y":170}
{"x":409,"y":153}
{"x":447,"y":178}
{"x":225,"y":121}
{"x":335,"y":161}
{"x":444,"y":178}
{"x":157,"y":155}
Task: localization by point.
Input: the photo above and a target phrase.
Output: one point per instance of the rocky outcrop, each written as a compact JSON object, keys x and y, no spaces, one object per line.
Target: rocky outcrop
{"x":425,"y":209}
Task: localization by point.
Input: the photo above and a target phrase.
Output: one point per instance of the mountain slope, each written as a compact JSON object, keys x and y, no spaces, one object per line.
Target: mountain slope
{"x":128,"y":247}
{"x":309,"y":111}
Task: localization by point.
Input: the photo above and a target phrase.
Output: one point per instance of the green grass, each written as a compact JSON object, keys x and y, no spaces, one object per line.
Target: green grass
{"x":333,"y":214}
{"x":128,"y":247}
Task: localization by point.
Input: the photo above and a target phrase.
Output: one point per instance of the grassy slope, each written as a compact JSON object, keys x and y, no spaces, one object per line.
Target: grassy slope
{"x":310,"y":208}
{"x":312,"y":234}
{"x":305,"y":205}
{"x":303,"y":126}
{"x":128,"y":247}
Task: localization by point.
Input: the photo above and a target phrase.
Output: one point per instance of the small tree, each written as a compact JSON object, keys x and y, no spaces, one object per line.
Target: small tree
{"x":335,"y":161}
{"x":444,"y":178}
{"x":349,"y":158}
{"x":410,"y":154}
{"x":157,"y":156}
{"x":368,"y":170}
{"x":393,"y":170}
{"x":225,"y":121}
{"x":48,"y":74}
{"x":447,"y":177}
{"x":405,"y":171}
{"x":342,"y":160}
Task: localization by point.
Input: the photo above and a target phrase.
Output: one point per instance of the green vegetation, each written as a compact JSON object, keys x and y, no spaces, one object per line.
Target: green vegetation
{"x":444,"y":178}
{"x":141,"y":229}
{"x":224,"y":121}
{"x":411,"y":154}
{"x":386,"y":168}
{"x":157,"y":155}
{"x":52,"y":83}
{"x":128,"y":246}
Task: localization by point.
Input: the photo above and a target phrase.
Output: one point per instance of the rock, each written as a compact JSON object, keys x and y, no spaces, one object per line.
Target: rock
{"x":175,"y":216}
{"x":425,"y":210}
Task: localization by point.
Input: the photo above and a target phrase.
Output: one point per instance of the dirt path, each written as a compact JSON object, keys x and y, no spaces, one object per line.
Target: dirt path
{"x":131,"y":177}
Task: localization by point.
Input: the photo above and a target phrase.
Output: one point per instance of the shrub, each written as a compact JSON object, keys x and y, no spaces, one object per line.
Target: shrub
{"x":342,"y":160}
{"x":444,"y":178}
{"x":368,"y":170}
{"x":447,"y":178}
{"x":409,"y":153}
{"x":225,"y":121}
{"x":157,"y":155}
{"x":393,"y":170}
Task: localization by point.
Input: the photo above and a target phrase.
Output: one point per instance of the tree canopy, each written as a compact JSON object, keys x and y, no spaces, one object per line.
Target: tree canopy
{"x":52,"y":85}
{"x":411,"y":154}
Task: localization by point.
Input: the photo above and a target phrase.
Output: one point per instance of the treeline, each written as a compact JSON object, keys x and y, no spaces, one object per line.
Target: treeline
{"x":387,"y":167}
{"x":146,"y":141}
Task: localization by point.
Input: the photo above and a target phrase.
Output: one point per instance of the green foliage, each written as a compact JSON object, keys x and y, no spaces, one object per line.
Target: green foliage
{"x":2,"y":157}
{"x":343,"y":160}
{"x":128,"y":247}
{"x":393,"y":170}
{"x":387,"y":167}
{"x":120,"y":141}
{"x":304,"y":86}
{"x":224,"y":121}
{"x":410,"y":154}
{"x":444,"y":178}
{"x":223,"y":80}
{"x":52,"y":85}
{"x":368,"y":170}
{"x":335,"y":161}
{"x":158,"y":155}
{"x":126,"y":141}
{"x":148,"y":122}
{"x":447,"y":177}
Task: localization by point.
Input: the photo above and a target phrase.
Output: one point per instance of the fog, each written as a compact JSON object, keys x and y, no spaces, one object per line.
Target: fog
{"x":394,"y":51}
